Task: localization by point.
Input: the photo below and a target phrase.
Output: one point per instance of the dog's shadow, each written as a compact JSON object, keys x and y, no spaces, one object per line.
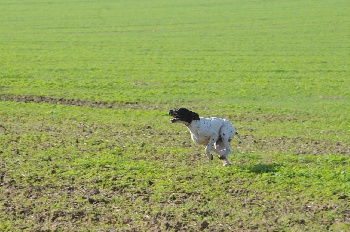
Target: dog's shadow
{"x":264,"y":168}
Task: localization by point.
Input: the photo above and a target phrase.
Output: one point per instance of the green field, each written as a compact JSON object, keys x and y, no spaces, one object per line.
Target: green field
{"x":85,"y":138}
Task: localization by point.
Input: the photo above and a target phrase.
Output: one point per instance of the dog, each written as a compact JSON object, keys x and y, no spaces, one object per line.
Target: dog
{"x":214,"y":133}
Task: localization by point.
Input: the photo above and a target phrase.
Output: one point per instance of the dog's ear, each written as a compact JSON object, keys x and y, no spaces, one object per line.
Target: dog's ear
{"x":195,"y":116}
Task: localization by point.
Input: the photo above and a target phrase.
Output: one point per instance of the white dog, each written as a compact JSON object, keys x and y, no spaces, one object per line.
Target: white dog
{"x":215,"y":133}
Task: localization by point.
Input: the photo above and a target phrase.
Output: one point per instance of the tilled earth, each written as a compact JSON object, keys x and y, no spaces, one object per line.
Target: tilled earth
{"x":43,"y":189}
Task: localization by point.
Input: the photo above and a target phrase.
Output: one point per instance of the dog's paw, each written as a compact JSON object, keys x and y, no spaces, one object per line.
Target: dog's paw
{"x":225,"y":163}
{"x":210,"y":156}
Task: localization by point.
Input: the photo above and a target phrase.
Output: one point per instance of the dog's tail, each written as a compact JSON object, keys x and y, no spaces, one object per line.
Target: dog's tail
{"x":239,"y":137}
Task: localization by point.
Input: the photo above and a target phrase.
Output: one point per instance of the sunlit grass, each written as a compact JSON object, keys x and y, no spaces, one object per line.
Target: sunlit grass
{"x":85,"y":139}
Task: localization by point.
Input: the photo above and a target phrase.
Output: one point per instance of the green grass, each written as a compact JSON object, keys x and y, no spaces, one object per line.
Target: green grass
{"x":85,"y":139}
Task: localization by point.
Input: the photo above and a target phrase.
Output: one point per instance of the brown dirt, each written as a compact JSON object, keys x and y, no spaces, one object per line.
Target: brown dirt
{"x":71,"y":102}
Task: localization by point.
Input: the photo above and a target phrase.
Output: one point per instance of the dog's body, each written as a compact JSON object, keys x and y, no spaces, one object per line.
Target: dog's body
{"x":213,"y":132}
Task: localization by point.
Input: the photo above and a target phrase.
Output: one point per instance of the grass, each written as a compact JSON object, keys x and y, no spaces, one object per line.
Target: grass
{"x":86,"y":142}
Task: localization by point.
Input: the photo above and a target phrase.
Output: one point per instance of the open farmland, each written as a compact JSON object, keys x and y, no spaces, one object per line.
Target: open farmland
{"x":86,"y":142}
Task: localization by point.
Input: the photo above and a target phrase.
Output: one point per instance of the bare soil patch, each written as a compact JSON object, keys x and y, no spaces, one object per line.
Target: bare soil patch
{"x":72,"y":102}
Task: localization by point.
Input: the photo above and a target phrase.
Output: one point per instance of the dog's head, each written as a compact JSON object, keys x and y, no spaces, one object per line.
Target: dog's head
{"x":183,"y":115}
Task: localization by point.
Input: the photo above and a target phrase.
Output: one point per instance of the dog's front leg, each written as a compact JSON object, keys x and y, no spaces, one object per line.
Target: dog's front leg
{"x":207,"y":151}
{"x":210,"y":147}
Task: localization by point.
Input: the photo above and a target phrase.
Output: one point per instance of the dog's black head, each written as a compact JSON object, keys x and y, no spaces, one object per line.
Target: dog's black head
{"x":183,"y":115}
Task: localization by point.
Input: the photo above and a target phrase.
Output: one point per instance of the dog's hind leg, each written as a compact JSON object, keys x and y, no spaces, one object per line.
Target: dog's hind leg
{"x":227,"y":146}
{"x":226,"y":132}
{"x":222,"y":151}
{"x":219,"y":147}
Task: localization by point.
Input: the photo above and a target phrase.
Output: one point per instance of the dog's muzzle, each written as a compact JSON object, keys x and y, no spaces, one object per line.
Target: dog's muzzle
{"x":173,"y":114}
